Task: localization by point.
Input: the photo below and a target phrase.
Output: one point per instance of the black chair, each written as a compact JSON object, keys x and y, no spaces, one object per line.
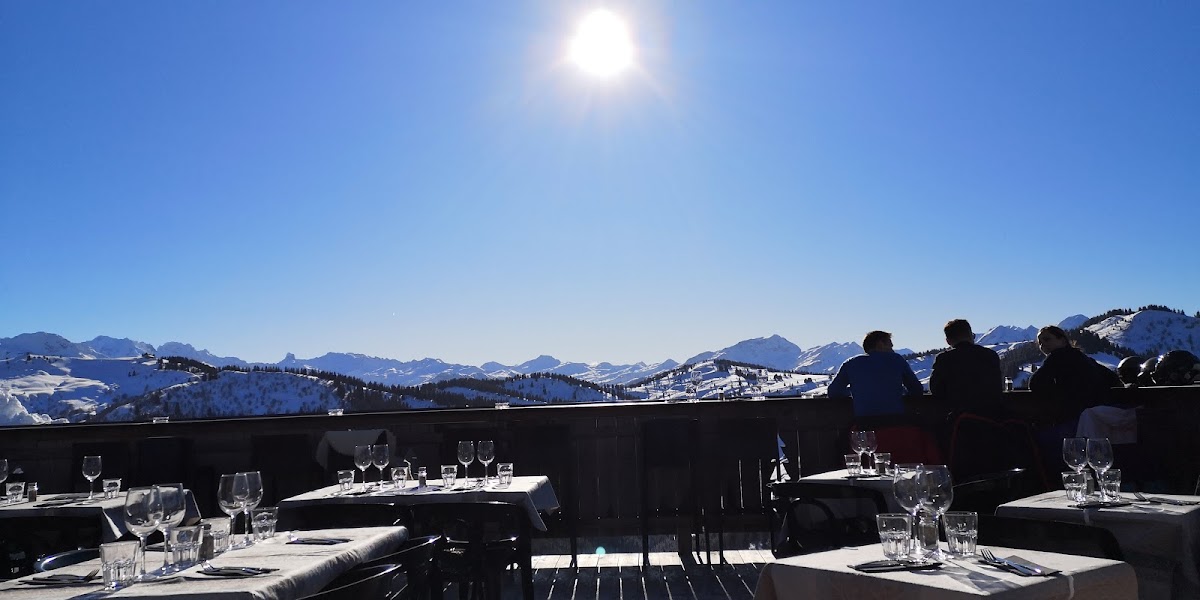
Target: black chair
{"x":667,"y":481}
{"x":481,"y":540}
{"x":64,"y":559}
{"x":983,"y":493}
{"x":809,"y":517}
{"x":418,"y":577}
{"x":287,"y":464}
{"x":359,"y":584}
{"x":1050,"y":536}
{"x":736,"y":476}
{"x":47,"y":535}
{"x":334,"y":516}
{"x":981,"y":446}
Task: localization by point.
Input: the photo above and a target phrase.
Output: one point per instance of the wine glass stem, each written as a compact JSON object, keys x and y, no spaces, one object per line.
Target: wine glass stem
{"x":166,"y":531}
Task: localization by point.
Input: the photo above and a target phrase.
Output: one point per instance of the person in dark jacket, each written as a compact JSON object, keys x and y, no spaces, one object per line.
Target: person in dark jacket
{"x":877,"y":380}
{"x":1068,"y":378}
{"x":967,"y":376}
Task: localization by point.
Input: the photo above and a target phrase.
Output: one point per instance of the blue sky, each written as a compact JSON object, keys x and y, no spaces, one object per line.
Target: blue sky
{"x":416,"y":180}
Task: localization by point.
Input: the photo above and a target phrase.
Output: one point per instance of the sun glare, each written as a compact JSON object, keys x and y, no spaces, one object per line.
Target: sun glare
{"x":602,"y":46}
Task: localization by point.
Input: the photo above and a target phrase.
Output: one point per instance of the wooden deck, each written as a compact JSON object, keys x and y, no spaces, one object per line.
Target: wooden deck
{"x":670,"y":576}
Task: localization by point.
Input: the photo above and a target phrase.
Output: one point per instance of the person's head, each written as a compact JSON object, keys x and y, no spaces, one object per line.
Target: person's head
{"x":958,"y":331}
{"x":877,"y":341}
{"x":1051,"y":338}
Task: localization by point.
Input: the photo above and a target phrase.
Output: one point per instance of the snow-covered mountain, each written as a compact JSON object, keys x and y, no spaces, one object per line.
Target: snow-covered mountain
{"x":45,"y":377}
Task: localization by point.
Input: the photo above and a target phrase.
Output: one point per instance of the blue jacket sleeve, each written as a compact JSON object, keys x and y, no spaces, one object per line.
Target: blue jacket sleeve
{"x":910,"y":380}
{"x":840,"y":386}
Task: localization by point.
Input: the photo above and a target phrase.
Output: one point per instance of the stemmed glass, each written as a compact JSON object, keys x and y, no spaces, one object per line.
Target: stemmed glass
{"x":91,"y":470}
{"x":466,"y":456}
{"x":171,"y":495}
{"x":1074,"y":453}
{"x":858,"y":443}
{"x":937,"y":493}
{"x":143,"y":512}
{"x":487,"y":453}
{"x":3,"y":477}
{"x":906,"y":485}
{"x":254,"y":495}
{"x":381,"y":455}
{"x":362,"y":460}
{"x":1100,"y":459}
{"x":231,"y":497}
{"x":869,"y":446}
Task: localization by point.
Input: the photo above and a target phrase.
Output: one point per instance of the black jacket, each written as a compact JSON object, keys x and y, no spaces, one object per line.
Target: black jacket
{"x":967,"y":378}
{"x":1073,"y":381}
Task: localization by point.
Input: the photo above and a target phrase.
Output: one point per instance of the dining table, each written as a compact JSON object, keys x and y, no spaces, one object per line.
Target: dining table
{"x":882,"y":484}
{"x":1159,"y":539}
{"x":832,"y":574}
{"x":298,"y":570}
{"x":109,"y":511}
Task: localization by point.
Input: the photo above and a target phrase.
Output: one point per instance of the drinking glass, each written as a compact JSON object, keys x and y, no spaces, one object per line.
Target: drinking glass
{"x":362,"y":460}
{"x":466,"y":456}
{"x":1100,"y":459}
{"x":111,"y":487}
{"x":906,"y":485}
{"x":345,"y":480}
{"x":486,"y":453}
{"x":883,"y":460}
{"x":143,"y":512}
{"x":185,"y":546}
{"x":254,"y":495}
{"x":173,"y":507}
{"x":1074,"y":453}
{"x":504,"y":474}
{"x":231,"y":498}
{"x":853,"y":464}
{"x":1110,"y":485}
{"x":869,"y":447}
{"x":1076,"y":485}
{"x":962,"y":532}
{"x":91,"y":470}
{"x":13,"y":491}
{"x":381,"y":455}
{"x":400,"y":477}
{"x":218,"y":528}
{"x":937,"y":494}
{"x":895,"y":532}
{"x":449,"y":474}
{"x":117,"y":561}
{"x":264,"y":522}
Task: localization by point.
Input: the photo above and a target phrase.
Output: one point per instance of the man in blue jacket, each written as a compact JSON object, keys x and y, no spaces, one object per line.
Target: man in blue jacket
{"x":877,"y":380}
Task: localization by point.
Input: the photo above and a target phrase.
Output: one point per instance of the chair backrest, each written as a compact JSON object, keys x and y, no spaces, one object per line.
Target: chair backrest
{"x":63,"y":559}
{"x":981,"y":445}
{"x":811,"y":517}
{"x":983,"y":493}
{"x":331,"y":516}
{"x":416,"y":560}
{"x":359,"y":584}
{"x":287,"y":464}
{"x":1051,"y":536}
{"x":480,"y":537}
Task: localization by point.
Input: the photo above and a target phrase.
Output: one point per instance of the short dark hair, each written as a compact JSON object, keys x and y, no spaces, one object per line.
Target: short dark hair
{"x":873,"y":338}
{"x":958,"y":329}
{"x":1055,"y":331}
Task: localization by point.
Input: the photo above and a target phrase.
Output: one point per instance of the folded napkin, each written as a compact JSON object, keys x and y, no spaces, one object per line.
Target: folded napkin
{"x":52,"y":503}
{"x":1032,"y":566}
{"x":884,"y":566}
{"x":1173,"y":501}
{"x":319,"y":541}
{"x":62,"y":580}
{"x":1099,"y":504}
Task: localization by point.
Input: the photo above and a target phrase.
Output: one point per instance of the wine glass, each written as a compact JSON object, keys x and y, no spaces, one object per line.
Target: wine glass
{"x":858,"y":443}
{"x":254,"y":496}
{"x":362,"y":460}
{"x":171,"y":495}
{"x":381,"y":455}
{"x":1100,"y":459}
{"x":937,"y":493}
{"x":906,"y":485}
{"x":487,"y":453}
{"x":466,"y":456}
{"x":91,"y":470}
{"x":143,"y":511}
{"x":231,"y":497}
{"x":3,"y":476}
{"x":870,"y":445}
{"x":1074,"y":453}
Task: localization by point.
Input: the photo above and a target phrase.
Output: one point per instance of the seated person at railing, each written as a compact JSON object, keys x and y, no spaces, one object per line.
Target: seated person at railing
{"x":966,"y":378}
{"x":1069,"y":379}
{"x":877,"y":380}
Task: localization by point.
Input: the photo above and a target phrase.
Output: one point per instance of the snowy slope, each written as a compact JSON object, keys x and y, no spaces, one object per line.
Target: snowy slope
{"x":1151,"y":332}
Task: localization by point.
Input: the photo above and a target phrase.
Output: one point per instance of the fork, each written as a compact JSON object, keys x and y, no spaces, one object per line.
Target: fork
{"x":996,"y":560}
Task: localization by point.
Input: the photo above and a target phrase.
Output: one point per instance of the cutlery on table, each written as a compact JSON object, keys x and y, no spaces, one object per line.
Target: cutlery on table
{"x":1018,"y":568}
{"x":1171,"y":501}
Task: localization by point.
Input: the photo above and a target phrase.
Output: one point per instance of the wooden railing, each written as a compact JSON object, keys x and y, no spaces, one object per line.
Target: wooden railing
{"x":605,"y":472}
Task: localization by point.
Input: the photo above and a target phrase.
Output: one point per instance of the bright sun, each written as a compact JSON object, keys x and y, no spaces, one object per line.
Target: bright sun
{"x":602,"y":46}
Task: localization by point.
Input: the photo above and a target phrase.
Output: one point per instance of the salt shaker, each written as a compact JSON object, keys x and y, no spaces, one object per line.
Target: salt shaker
{"x":31,"y":491}
{"x":207,"y":550}
{"x":421,"y":477}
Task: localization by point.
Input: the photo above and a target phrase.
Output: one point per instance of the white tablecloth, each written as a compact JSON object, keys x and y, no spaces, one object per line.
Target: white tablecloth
{"x":827,"y":575}
{"x":110,"y":512}
{"x":303,"y":570}
{"x":534,"y":493}
{"x":1161,"y":541}
{"x":881,"y":484}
